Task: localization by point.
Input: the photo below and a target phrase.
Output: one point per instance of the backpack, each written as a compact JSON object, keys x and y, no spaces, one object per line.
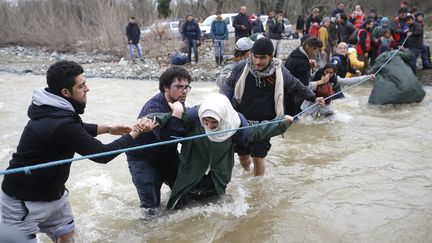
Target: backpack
{"x":325,"y":90}
{"x":353,"y":37}
{"x":179,"y":59}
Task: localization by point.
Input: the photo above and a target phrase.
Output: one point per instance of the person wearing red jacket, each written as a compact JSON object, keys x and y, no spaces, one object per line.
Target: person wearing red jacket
{"x":364,"y":43}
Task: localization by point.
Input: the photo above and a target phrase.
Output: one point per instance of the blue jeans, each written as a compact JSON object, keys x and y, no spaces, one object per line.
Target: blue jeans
{"x":425,"y":55}
{"x":131,"y":50}
{"x":148,"y":178}
{"x":219,"y":46}
{"x":192,"y":44}
{"x":413,"y":62}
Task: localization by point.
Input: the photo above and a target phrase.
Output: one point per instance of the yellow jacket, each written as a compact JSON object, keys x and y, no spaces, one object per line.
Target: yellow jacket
{"x":354,"y":61}
{"x":323,"y":36}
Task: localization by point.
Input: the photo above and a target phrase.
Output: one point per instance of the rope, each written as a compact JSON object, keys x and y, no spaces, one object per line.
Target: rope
{"x":27,"y":169}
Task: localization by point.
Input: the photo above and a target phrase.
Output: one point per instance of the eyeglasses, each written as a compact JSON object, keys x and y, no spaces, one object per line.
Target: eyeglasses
{"x":182,"y":87}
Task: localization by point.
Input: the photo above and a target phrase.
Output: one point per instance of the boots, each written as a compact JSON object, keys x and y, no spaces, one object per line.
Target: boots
{"x":220,"y":60}
{"x":217,"y":60}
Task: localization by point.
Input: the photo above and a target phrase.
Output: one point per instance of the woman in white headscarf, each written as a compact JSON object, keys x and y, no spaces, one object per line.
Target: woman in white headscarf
{"x":207,"y":162}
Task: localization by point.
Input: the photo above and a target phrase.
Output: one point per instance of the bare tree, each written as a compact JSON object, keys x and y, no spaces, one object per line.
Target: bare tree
{"x":219,"y":4}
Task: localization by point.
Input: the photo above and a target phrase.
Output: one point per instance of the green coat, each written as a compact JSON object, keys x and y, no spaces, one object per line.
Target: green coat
{"x":395,"y":83}
{"x":198,"y":154}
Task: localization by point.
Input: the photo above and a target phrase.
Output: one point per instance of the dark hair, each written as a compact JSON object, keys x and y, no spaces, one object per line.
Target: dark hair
{"x":218,"y":12}
{"x":402,"y":10}
{"x":303,"y":38}
{"x":312,"y":42}
{"x":368,"y":21}
{"x":132,"y":17}
{"x":330,"y":65}
{"x":171,"y":74}
{"x":62,"y":75}
{"x":238,"y":53}
{"x":410,"y":16}
{"x":344,"y":16}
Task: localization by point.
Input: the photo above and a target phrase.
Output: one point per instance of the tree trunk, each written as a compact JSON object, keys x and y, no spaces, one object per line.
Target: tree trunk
{"x":219,"y":4}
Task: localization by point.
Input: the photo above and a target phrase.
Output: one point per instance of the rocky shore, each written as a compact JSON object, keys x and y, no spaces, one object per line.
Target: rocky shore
{"x":24,"y":60}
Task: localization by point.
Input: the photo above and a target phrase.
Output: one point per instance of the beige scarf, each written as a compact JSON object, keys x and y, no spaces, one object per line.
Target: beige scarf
{"x":275,"y":66}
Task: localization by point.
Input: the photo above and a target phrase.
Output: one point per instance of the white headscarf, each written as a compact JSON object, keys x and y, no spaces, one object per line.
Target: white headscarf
{"x":218,"y":106}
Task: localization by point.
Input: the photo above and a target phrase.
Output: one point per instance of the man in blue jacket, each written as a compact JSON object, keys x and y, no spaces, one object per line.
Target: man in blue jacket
{"x":152,"y":167}
{"x":39,"y":202}
{"x":220,"y":34}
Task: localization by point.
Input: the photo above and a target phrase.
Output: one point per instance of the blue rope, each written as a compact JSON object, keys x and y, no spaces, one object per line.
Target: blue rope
{"x":27,"y":169}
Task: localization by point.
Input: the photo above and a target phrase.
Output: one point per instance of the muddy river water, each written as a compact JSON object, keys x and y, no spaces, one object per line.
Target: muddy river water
{"x":367,"y":177}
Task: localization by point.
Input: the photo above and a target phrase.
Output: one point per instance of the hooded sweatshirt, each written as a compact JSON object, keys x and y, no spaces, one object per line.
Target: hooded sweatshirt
{"x":54,"y":132}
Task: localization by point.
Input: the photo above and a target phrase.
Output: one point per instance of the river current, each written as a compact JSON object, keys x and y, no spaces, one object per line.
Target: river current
{"x":366,"y":177}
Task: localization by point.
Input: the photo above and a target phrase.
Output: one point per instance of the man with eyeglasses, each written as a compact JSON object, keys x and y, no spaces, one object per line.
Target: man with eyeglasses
{"x":151,"y":167}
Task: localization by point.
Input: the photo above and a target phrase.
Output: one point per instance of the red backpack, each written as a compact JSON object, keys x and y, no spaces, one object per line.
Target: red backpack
{"x":324,"y":90}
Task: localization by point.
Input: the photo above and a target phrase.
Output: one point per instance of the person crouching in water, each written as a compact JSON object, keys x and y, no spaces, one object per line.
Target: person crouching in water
{"x":207,"y":162}
{"x":326,"y":83}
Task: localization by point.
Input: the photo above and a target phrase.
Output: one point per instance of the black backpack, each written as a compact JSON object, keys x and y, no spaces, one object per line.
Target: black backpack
{"x":353,"y":37}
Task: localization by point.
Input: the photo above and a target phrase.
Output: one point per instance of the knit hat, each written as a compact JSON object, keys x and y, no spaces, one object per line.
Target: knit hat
{"x":263,"y":46}
{"x":384,"y":20}
{"x":244,"y":44}
{"x":256,"y":36}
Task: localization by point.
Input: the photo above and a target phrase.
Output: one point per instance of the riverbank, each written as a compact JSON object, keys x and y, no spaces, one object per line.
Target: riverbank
{"x":25,"y":60}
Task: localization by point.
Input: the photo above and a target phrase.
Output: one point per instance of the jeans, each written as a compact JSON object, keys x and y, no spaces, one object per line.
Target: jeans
{"x":148,"y":178}
{"x":219,"y":46}
{"x":425,"y":55}
{"x":192,"y":44}
{"x":131,"y":50}
{"x":413,"y":62}
{"x":277,"y":46}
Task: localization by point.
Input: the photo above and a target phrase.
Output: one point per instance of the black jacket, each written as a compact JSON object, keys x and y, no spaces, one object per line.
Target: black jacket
{"x":191,"y":30}
{"x":257,"y":26}
{"x":133,"y":33}
{"x":238,"y":21}
{"x":292,"y":87}
{"x":276,"y":28}
{"x":343,"y":65}
{"x":165,"y":158}
{"x":53,"y":134}
{"x":415,"y":41}
{"x":312,"y":20}
{"x":346,"y":30}
{"x":298,"y":64}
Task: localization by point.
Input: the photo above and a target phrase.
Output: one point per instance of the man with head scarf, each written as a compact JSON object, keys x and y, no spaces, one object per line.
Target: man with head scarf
{"x":258,"y":88}
{"x":207,"y":162}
